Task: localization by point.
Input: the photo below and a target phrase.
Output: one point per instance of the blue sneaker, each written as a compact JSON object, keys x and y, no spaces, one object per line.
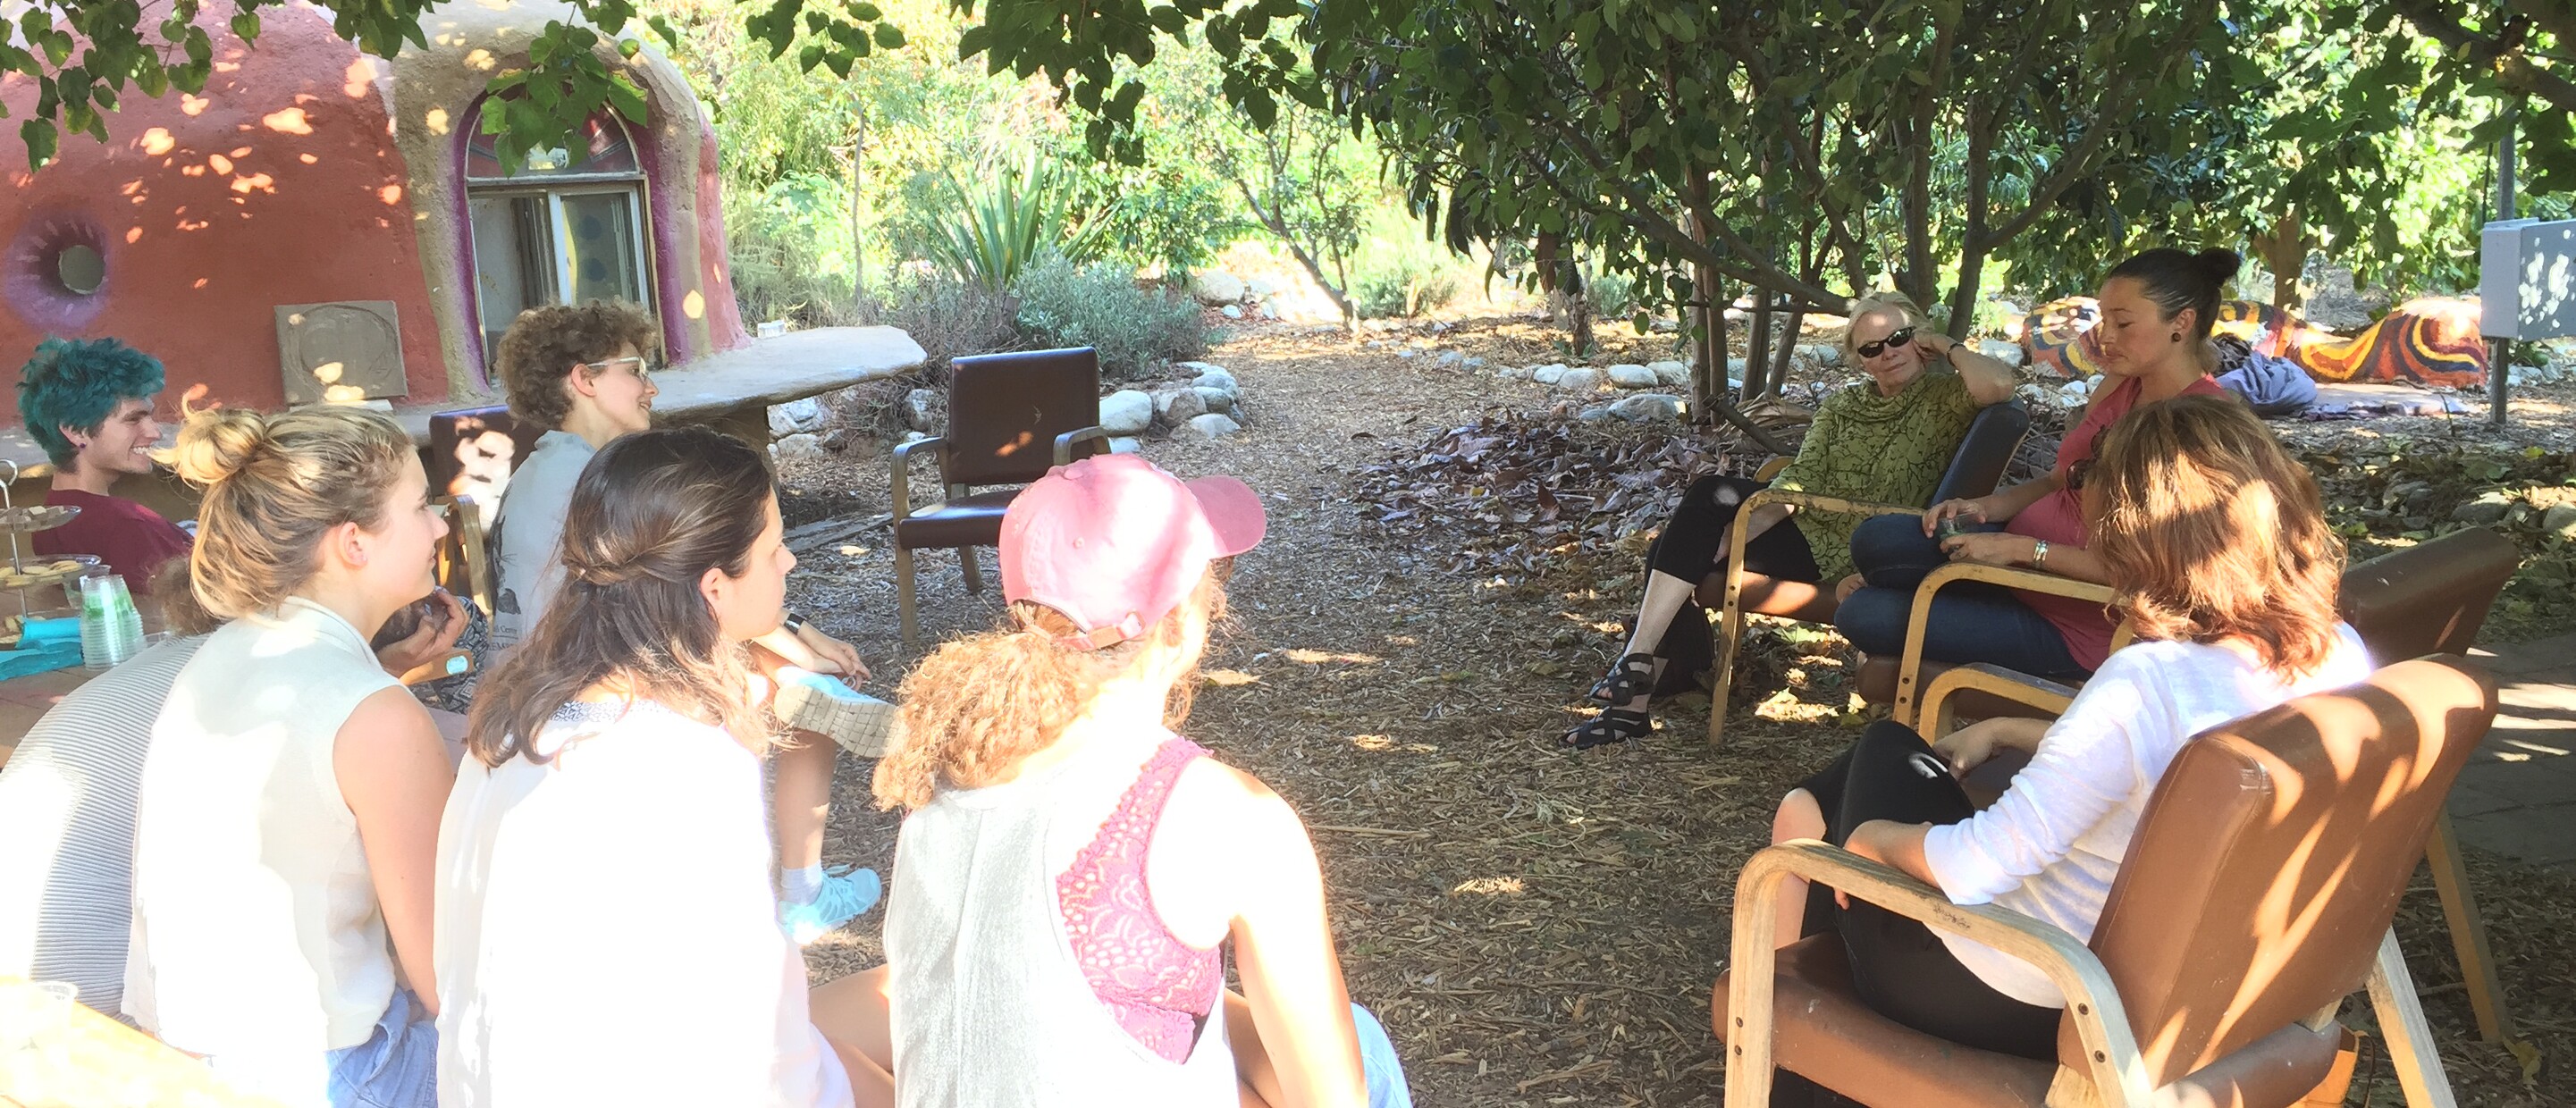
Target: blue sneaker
{"x":845,"y":896}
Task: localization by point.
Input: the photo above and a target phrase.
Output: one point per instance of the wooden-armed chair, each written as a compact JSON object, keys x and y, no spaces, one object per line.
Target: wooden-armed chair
{"x":2255,"y":897}
{"x":2430,"y":598}
{"x":1984,"y":452}
{"x":1011,"y":417}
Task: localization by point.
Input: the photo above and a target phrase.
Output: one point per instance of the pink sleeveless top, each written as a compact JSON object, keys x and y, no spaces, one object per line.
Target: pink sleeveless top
{"x":1159,"y":988}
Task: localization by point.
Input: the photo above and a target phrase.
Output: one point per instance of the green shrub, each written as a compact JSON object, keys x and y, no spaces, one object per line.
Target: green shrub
{"x":949,"y":317}
{"x":1395,"y":272}
{"x":790,"y":251}
{"x":1099,"y":306}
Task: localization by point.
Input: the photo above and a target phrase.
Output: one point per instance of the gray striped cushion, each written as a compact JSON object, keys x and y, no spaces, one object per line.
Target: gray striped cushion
{"x":67,"y":822}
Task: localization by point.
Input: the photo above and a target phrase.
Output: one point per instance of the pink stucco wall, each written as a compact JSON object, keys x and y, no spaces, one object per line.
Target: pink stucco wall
{"x":277,"y":185}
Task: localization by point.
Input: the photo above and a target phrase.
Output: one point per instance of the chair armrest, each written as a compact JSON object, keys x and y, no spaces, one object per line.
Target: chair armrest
{"x":1772,"y":468}
{"x":1065,"y":442}
{"x":2093,"y":1001}
{"x":1910,"y":669}
{"x":2038,"y":692}
{"x":899,"y":489}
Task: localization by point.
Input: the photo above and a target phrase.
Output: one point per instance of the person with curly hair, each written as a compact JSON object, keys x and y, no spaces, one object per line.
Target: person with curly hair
{"x":88,"y":402}
{"x":584,"y":373}
{"x":1072,"y":872}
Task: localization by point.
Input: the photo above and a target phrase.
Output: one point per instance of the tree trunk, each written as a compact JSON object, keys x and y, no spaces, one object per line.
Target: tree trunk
{"x":2284,"y":250}
{"x":1757,"y":347}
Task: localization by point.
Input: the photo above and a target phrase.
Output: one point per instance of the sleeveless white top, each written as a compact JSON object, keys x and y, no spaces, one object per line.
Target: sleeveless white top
{"x":256,"y":935}
{"x":990,"y":1007}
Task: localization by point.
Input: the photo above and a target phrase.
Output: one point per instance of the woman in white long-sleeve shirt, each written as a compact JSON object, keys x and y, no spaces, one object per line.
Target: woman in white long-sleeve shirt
{"x":605,"y":928}
{"x":2217,"y":542}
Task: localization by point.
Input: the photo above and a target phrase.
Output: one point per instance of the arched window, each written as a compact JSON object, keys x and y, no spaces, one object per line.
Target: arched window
{"x":567,"y":227}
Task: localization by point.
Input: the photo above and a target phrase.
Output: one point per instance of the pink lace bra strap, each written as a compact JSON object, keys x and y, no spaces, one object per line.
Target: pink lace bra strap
{"x":1129,"y":831}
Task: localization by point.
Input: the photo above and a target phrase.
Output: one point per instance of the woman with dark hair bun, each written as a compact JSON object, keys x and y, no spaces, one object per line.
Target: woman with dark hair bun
{"x":2157,"y":309}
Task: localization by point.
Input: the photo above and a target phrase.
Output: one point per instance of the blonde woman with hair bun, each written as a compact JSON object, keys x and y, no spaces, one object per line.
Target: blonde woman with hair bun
{"x":1885,"y":440}
{"x":287,"y":819}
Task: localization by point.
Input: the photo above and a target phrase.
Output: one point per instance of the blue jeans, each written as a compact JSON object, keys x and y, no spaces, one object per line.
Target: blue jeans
{"x":1970,"y":622}
{"x":397,"y":1067}
{"x":1378,"y":1063}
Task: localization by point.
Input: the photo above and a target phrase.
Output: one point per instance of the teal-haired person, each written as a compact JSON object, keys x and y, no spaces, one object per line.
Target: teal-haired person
{"x":88,"y":402}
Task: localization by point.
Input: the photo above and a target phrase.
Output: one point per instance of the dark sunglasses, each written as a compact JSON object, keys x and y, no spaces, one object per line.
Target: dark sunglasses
{"x":2075,"y":474}
{"x":1898,"y":337}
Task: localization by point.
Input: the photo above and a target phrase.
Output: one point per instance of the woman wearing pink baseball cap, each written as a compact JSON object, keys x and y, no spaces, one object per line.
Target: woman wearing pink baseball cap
{"x":1070,"y":869}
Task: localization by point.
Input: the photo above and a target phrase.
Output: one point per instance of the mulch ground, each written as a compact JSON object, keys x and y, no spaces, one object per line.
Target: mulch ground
{"x":1534,"y":928}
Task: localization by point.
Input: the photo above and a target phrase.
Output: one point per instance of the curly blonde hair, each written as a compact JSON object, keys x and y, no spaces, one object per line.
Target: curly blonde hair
{"x":980,"y":705}
{"x":273,"y":485}
{"x":2210,"y":530}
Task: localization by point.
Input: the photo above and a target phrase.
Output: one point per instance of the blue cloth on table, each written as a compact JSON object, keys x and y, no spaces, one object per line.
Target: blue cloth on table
{"x":44,"y":645}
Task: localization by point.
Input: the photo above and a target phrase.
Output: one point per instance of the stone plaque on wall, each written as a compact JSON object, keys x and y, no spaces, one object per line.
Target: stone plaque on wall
{"x":346,"y":351}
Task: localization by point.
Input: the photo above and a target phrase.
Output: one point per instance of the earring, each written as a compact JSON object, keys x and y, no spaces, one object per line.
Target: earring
{"x":2177,"y":336}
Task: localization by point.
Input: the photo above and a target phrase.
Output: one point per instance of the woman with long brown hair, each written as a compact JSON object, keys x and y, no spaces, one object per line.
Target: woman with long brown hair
{"x":2217,"y":543}
{"x":605,"y":928}
{"x":1070,"y":870}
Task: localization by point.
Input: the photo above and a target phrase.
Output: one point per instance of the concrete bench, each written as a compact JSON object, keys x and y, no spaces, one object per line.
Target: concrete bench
{"x":731,"y":390}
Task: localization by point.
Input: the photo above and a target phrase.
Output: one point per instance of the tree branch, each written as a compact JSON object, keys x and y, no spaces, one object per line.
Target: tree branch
{"x":2513,"y":68}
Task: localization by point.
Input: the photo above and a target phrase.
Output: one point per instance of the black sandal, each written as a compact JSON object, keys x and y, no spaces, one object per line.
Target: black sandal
{"x":1613,"y":725}
{"x":1629,"y":678}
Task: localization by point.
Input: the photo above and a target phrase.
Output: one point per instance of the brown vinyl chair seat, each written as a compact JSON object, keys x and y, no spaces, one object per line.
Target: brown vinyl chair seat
{"x":2256,"y":895}
{"x":971,"y":520}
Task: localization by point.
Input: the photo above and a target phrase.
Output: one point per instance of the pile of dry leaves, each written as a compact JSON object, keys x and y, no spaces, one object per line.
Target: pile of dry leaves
{"x":1512,"y":494}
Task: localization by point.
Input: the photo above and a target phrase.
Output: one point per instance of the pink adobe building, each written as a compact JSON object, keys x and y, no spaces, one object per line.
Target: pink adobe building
{"x":320,"y":222}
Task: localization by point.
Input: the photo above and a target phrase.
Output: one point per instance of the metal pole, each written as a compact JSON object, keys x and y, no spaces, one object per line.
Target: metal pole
{"x":2499,"y":352}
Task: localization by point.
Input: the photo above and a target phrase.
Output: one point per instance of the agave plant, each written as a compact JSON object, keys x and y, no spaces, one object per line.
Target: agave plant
{"x":999,"y":229}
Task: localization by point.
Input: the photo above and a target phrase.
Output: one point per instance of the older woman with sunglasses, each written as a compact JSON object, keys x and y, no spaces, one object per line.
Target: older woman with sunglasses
{"x":2153,"y":342}
{"x":1885,"y":440}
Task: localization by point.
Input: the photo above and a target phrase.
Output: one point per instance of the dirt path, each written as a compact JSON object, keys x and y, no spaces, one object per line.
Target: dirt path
{"x":1533,"y":928}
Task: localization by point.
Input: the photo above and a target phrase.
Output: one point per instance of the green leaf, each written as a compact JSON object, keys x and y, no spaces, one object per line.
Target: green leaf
{"x":246,"y":25}
{"x":41,"y":139}
{"x":889,"y":36}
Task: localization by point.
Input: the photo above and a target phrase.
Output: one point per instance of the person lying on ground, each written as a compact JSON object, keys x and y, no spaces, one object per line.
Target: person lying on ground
{"x":1886,"y":440}
{"x":2217,"y":542}
{"x":2157,"y":309}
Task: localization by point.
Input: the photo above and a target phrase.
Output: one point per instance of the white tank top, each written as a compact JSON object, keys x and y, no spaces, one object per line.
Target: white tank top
{"x":257,"y":938}
{"x":990,"y":1007}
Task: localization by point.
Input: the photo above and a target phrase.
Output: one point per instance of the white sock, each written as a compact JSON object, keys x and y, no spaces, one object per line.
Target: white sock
{"x":800,"y":886}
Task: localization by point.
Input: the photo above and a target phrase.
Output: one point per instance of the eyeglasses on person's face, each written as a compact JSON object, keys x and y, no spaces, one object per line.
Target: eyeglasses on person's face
{"x":1898,"y":337}
{"x":642,"y":369}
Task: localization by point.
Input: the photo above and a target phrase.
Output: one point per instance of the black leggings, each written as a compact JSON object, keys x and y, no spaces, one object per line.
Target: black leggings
{"x":1689,"y":548}
{"x":1899,"y":966}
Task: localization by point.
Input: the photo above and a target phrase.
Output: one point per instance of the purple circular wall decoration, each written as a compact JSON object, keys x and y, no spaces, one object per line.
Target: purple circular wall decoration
{"x":32,"y":278}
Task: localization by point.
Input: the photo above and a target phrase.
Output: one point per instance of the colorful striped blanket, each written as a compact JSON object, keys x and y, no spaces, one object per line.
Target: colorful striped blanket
{"x":2430,"y":341}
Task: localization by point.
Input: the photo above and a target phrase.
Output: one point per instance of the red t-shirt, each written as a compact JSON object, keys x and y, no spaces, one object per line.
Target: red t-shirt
{"x":2058,"y":519}
{"x":133,"y":540}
